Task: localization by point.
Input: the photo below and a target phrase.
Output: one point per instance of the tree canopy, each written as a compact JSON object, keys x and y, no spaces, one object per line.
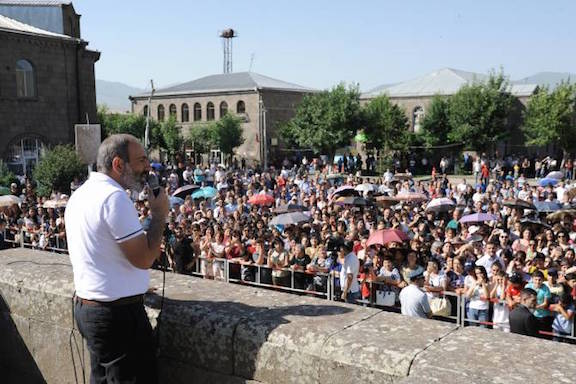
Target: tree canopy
{"x":325,"y":121}
{"x":57,"y":169}
{"x":385,"y":124}
{"x":478,"y":113}
{"x":435,"y":125}
{"x":133,"y":124}
{"x":550,"y":117}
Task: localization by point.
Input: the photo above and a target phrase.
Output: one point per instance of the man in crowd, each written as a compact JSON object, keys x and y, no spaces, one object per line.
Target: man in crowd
{"x":522,"y":321}
{"x":413,"y":300}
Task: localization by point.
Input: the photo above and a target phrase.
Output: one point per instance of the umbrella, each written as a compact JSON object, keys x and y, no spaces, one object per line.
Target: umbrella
{"x":261,"y":199}
{"x":561,"y":214}
{"x":403,"y":176}
{"x":289,"y":218}
{"x":366,"y":187}
{"x":411,"y":196}
{"x":157,"y":166}
{"x":534,"y":222}
{"x":185,"y":190}
{"x":5,"y":191}
{"x":518,"y":203}
{"x":555,"y":175}
{"x":9,"y":200}
{"x":440,"y":204}
{"x":55,"y":203}
{"x":478,"y":218}
{"x":351,"y":200}
{"x":547,"y":181}
{"x":175,"y":200}
{"x":290,"y":208}
{"x":547,"y":206}
{"x":345,"y":190}
{"x":385,"y":236}
{"x":205,"y":193}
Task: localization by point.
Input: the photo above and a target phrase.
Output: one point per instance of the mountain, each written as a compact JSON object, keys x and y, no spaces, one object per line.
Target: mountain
{"x":551,"y":79}
{"x":115,"y":95}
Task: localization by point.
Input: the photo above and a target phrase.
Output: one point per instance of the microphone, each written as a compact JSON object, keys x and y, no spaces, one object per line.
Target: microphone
{"x":153,"y":183}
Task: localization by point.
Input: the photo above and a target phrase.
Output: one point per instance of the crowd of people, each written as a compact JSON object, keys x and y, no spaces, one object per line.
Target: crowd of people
{"x":520,"y":242}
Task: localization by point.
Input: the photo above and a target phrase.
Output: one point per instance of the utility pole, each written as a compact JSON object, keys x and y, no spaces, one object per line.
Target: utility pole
{"x":147,"y":131}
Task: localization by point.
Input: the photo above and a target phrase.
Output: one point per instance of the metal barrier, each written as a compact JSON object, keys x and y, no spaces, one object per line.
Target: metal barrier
{"x":20,"y":241}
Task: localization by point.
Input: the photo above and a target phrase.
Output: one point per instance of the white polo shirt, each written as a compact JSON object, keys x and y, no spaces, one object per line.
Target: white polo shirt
{"x":99,"y":216}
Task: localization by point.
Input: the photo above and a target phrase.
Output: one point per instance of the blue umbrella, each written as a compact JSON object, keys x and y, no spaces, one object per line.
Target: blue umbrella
{"x":175,"y":200}
{"x":157,"y":166}
{"x":205,"y":193}
{"x":548,"y":181}
{"x":547,"y":206}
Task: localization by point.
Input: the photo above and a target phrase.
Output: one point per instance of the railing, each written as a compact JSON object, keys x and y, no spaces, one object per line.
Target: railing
{"x":263,"y":279}
{"x":21,"y":239}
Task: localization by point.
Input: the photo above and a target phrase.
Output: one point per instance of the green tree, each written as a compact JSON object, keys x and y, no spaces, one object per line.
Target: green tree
{"x":113,"y":123}
{"x":57,"y":169}
{"x":435,"y":125}
{"x":385,"y":124}
{"x":325,"y":121}
{"x":478,"y":113}
{"x":6,"y":176}
{"x":550,"y":117}
{"x":172,"y":140}
{"x":228,"y":133}
{"x":202,"y":137}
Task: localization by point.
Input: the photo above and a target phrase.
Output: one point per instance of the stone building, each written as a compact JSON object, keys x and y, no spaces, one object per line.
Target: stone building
{"x":414,"y":97}
{"x":46,"y":79}
{"x":261,"y":102}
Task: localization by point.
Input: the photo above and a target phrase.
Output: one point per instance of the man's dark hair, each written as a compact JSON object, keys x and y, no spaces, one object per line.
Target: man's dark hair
{"x":112,"y":146}
{"x":527,"y":292}
{"x":538,"y":273}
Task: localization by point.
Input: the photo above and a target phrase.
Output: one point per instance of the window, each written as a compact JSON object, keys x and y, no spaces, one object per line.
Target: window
{"x":145,"y":111}
{"x":223,"y":109}
{"x":240,"y":107}
{"x":197,"y":112}
{"x":417,"y":117}
{"x":172,"y":110}
{"x":210,"y":111}
{"x":160,"y":112}
{"x":23,"y":154}
{"x":25,"y":79}
{"x":185,"y":113}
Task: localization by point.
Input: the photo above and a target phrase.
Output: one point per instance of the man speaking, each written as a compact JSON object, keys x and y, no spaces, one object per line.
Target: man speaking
{"x":110,"y":255}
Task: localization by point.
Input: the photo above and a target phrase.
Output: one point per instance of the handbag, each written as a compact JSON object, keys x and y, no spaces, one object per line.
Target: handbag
{"x":440,"y":306}
{"x":385,"y":298}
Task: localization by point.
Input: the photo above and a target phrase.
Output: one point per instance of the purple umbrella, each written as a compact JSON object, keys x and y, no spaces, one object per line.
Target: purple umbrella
{"x":478,"y":218}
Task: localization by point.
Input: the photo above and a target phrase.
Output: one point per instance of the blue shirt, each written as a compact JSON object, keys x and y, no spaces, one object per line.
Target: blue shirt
{"x":542,"y":294}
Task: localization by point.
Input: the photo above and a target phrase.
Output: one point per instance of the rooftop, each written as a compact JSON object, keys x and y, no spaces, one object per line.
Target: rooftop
{"x":39,"y":3}
{"x":226,"y":82}
{"x":11,"y":25}
{"x":446,"y":81}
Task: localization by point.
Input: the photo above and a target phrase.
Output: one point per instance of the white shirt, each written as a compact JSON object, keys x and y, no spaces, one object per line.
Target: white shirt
{"x":414,"y":302}
{"x":486,"y":261}
{"x":99,"y":216}
{"x":351,"y":266}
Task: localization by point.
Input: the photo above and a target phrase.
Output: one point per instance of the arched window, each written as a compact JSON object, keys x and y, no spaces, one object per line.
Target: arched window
{"x":185,"y":113}
{"x":172,"y":110}
{"x":145,"y":111}
{"x":223,"y":109}
{"x":210,"y":111}
{"x":25,"y":79}
{"x":240,"y":107}
{"x":24,"y":153}
{"x":197,"y":112}
{"x":417,"y":116}
{"x":160,"y":112}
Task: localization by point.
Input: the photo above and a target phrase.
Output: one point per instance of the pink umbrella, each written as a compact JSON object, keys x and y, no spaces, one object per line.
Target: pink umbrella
{"x":385,"y":236}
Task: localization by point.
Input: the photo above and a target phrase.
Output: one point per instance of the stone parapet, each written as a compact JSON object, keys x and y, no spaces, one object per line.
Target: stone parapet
{"x":213,"y":332}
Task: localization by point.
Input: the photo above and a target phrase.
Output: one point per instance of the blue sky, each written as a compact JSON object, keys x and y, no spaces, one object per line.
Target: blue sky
{"x":319,"y":43}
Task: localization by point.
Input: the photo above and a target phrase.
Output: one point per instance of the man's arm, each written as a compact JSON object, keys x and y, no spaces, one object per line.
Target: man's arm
{"x":143,"y":249}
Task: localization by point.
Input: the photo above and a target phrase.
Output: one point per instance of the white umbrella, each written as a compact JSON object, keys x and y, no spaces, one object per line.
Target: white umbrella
{"x":555,"y":175}
{"x":9,"y":200}
{"x":55,"y":203}
{"x":290,"y":218}
{"x":366,"y":187}
{"x":440,"y":204}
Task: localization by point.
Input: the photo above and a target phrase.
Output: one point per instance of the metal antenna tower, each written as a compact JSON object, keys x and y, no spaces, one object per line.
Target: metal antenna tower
{"x":227,"y":35}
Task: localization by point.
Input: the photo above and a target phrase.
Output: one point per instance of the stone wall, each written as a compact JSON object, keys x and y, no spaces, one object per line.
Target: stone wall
{"x":211,"y":332}
{"x":64,"y":74}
